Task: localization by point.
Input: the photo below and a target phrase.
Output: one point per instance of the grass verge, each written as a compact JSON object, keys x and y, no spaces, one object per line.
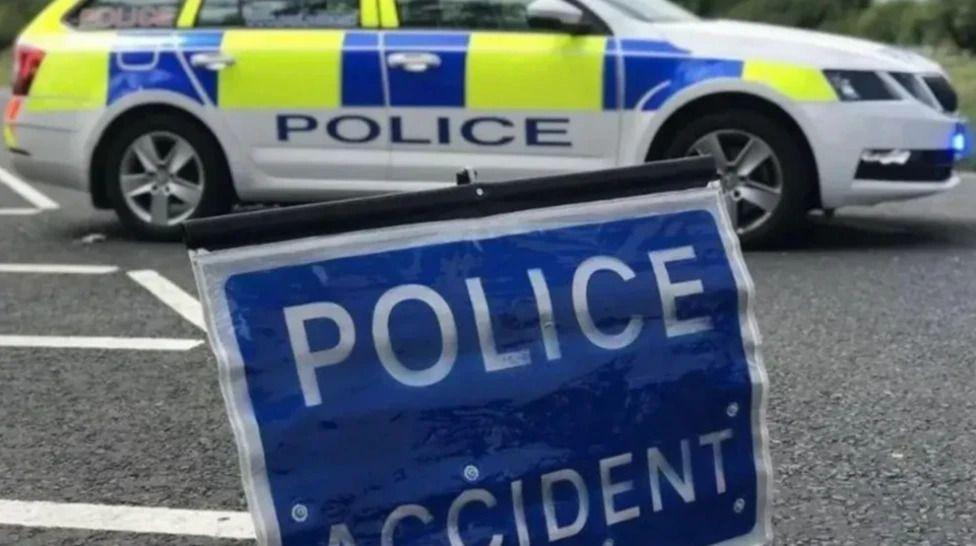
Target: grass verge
{"x":5,"y":62}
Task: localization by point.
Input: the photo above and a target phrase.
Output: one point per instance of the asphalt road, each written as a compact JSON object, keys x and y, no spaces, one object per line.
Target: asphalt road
{"x":869,"y":342}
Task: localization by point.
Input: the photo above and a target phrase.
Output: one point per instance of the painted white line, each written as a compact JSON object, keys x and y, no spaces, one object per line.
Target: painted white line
{"x":64,"y":269}
{"x":19,"y":212}
{"x":173,"y":296}
{"x":130,"y":519}
{"x":110,"y":343}
{"x":27,"y":191}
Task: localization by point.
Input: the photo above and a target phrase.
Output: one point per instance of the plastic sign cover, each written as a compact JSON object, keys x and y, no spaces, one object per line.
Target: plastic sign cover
{"x":582,"y":374}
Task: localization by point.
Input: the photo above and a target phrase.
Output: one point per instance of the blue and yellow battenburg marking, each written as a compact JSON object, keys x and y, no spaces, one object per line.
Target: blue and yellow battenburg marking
{"x":327,"y":69}
{"x":138,"y":63}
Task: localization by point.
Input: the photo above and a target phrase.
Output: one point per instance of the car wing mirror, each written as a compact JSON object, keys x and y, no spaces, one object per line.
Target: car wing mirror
{"x":557,"y":15}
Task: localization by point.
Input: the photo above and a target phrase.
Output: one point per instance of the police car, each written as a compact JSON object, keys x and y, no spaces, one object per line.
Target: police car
{"x":173,"y":109}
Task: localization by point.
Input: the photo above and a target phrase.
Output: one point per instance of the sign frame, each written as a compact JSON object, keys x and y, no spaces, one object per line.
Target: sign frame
{"x":359,"y":235}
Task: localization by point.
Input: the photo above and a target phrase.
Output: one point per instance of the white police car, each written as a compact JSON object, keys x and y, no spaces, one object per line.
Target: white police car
{"x":172,"y":109}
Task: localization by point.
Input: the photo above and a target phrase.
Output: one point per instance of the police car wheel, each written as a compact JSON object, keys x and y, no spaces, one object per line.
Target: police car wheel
{"x":162,"y":171}
{"x":764,"y":172}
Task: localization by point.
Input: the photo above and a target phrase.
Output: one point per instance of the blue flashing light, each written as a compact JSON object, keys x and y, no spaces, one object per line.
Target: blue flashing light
{"x":959,"y":142}
{"x":962,"y":141}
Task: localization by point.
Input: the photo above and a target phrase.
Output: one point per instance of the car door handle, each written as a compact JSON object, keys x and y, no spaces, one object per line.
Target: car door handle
{"x":212,"y":61}
{"x":413,"y":62}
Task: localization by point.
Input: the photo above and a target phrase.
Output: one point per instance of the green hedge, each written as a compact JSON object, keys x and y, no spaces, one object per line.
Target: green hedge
{"x":14,"y":16}
{"x":907,"y":22}
{"x":5,"y":67}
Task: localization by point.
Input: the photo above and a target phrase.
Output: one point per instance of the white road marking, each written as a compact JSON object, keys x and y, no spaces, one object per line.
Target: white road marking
{"x":172,"y":295}
{"x":59,"y":269}
{"x":19,"y":212}
{"x":109,"y":343}
{"x":27,"y":191}
{"x":130,"y":519}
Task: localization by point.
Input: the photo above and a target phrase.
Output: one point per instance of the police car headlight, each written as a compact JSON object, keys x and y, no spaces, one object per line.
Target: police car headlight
{"x":859,"y":85}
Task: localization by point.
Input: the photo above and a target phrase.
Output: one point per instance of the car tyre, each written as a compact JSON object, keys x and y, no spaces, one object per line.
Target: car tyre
{"x":162,"y":170}
{"x":769,"y":196}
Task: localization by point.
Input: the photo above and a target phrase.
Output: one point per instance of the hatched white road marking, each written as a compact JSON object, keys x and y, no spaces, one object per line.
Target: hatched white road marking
{"x":59,"y":269}
{"x":131,"y":519}
{"x":27,"y":191}
{"x":109,"y":343}
{"x":172,"y":295}
{"x":19,"y":212}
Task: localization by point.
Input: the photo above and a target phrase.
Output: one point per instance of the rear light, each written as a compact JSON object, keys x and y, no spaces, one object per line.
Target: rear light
{"x":27,"y":61}
{"x":12,"y":111}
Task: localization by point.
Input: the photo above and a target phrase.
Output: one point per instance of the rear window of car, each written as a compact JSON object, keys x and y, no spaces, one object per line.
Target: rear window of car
{"x":125,"y":14}
{"x":279,"y":13}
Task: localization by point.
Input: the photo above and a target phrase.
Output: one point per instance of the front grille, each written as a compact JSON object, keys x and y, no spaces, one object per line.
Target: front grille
{"x":922,"y":166}
{"x":943,"y":91}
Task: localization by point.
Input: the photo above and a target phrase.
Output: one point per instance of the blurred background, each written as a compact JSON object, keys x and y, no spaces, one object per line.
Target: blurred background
{"x":942,"y":29}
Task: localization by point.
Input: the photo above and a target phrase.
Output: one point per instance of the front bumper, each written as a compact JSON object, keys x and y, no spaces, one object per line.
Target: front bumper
{"x":841,"y":135}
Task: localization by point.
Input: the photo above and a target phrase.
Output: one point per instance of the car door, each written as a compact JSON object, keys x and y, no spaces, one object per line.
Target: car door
{"x":472,"y":84}
{"x":299,"y":85}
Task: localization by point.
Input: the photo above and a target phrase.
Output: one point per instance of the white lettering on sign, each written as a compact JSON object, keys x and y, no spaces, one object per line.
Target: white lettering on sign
{"x":574,"y":493}
{"x":581,"y":302}
{"x":454,"y":513}
{"x":339,"y":535}
{"x":571,"y":477}
{"x":401,"y":513}
{"x":306,"y":360}
{"x":671,"y":291}
{"x":715,"y":440}
{"x":684,"y":484}
{"x":611,"y":489}
{"x":495,"y":359}
{"x":518,"y":505}
{"x":547,"y":321}
{"x":384,"y":347}
{"x":486,"y":335}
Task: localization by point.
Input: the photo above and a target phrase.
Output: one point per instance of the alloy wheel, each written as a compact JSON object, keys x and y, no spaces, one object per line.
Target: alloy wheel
{"x":162,"y":178}
{"x":751,"y":175}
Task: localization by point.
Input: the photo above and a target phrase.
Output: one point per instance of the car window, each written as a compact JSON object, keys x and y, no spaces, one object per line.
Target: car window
{"x":464,"y":14}
{"x":121,"y":14}
{"x":279,"y":13}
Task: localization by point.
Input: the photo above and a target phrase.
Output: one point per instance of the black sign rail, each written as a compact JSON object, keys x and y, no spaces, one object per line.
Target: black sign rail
{"x":467,"y":201}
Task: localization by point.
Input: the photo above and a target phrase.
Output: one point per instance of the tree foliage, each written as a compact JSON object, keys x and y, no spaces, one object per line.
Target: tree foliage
{"x":14,"y":15}
{"x":959,"y":19}
{"x":909,"y":22}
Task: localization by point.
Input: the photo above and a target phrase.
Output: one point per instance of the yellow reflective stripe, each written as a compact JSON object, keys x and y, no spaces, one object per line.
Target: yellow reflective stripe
{"x":388,"y":14}
{"x":282,"y":69}
{"x":74,"y":74}
{"x":797,"y":82}
{"x":369,"y":14}
{"x":535,"y":71}
{"x":188,"y":15}
{"x":9,"y":138}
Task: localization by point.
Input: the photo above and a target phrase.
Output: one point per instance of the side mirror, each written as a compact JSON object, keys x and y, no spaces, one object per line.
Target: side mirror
{"x":557,"y":15}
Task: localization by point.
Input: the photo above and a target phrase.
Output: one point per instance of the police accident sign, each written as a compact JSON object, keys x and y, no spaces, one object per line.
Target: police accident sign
{"x":577,"y":374}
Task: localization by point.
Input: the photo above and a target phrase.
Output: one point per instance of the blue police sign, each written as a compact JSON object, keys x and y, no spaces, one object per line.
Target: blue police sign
{"x":578,"y":374}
